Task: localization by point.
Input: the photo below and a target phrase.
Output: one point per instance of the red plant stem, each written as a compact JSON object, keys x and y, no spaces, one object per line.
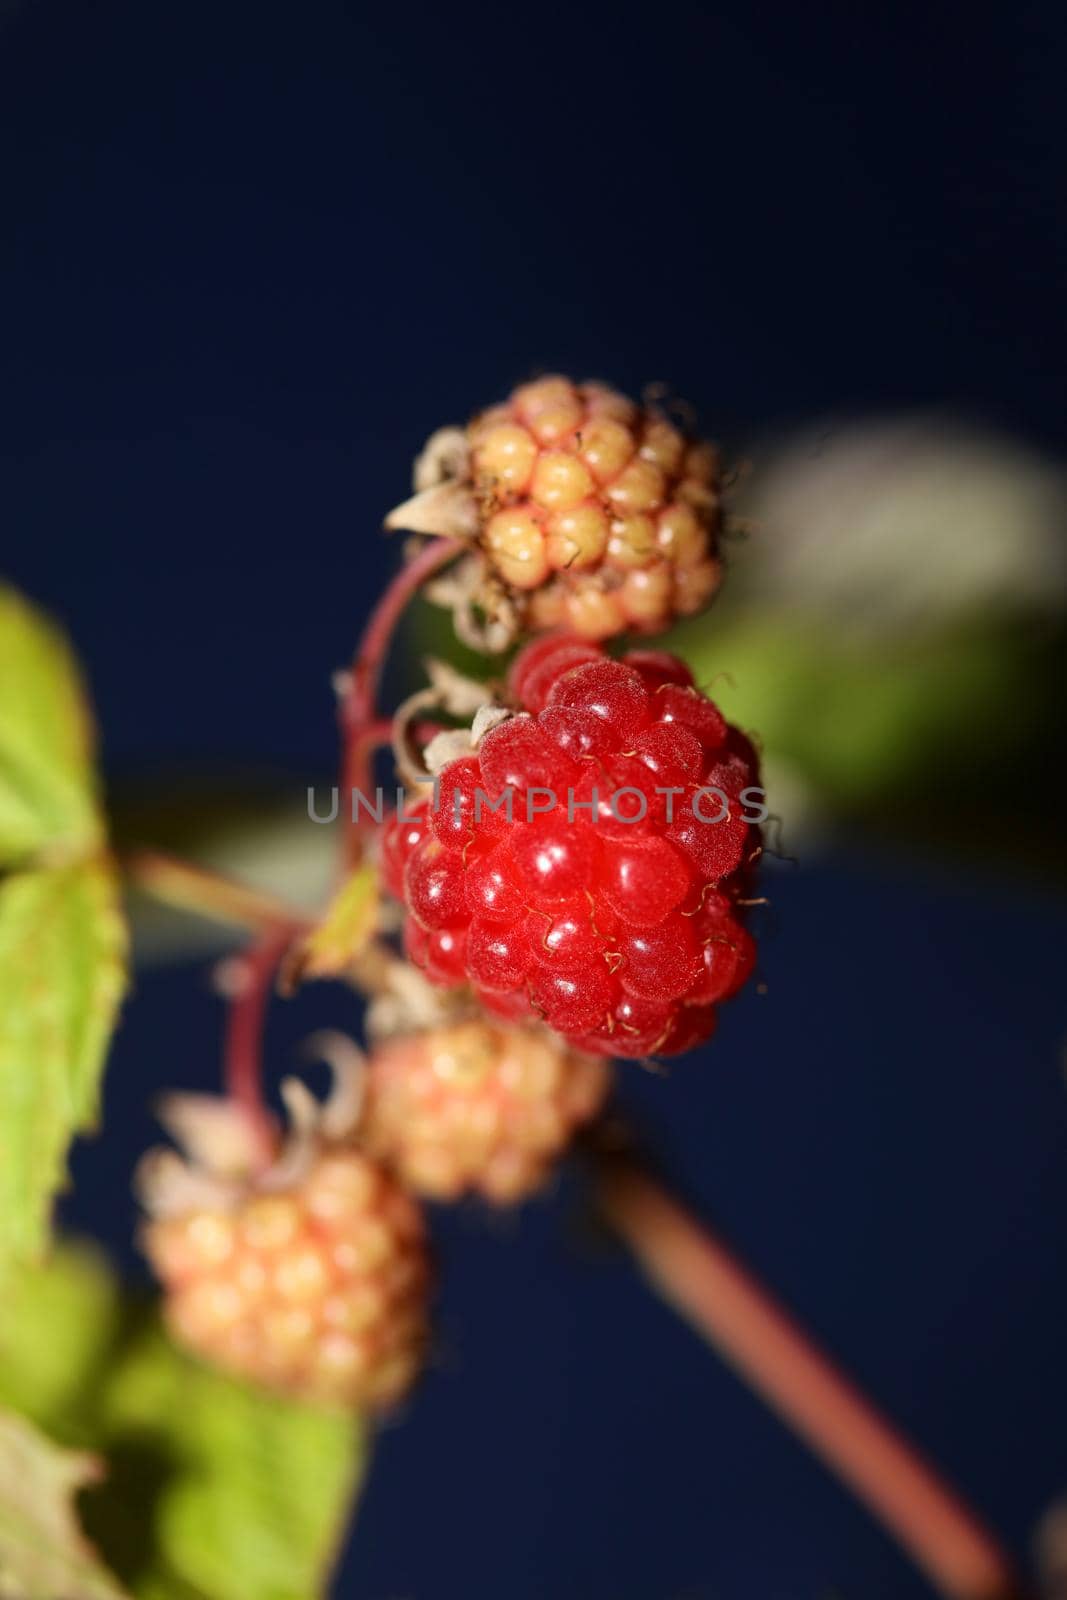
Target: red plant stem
{"x":701,"y":1280}
{"x":361,"y":734}
{"x":358,"y":708}
{"x":244,"y":1030}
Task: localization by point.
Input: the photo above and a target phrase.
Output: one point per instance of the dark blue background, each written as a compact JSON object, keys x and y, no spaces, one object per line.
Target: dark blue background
{"x":251,"y":256}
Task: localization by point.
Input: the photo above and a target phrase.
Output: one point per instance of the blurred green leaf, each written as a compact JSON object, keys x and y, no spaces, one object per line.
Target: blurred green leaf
{"x":859,"y":721}
{"x":47,"y":787}
{"x":62,"y":974}
{"x":57,"y":1324}
{"x":254,"y":1491}
{"x":43,"y":1554}
{"x":214,"y":1490}
{"x":62,"y":939}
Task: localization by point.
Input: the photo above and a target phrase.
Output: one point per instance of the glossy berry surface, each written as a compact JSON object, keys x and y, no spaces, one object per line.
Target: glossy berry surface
{"x":610,"y":904}
{"x":478,"y":1107}
{"x":318,"y":1289}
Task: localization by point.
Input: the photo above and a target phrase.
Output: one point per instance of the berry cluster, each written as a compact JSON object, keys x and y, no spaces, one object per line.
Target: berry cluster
{"x":315,"y":1286}
{"x":477,"y":1107}
{"x":590,"y":513}
{"x":587,"y":864}
{"x":583,"y":867}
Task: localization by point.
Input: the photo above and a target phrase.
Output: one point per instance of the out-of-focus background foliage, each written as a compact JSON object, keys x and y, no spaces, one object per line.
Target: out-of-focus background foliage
{"x":252,"y":256}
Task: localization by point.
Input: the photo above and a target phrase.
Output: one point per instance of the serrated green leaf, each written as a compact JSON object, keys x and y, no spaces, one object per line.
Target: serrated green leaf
{"x":43,"y":1553}
{"x":62,"y":974}
{"x":47,"y":788}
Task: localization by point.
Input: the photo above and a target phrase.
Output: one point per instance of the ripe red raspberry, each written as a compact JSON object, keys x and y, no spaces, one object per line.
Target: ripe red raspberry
{"x":477,"y":1106}
{"x":310,"y":1278}
{"x":588,"y":512}
{"x":608,"y":905}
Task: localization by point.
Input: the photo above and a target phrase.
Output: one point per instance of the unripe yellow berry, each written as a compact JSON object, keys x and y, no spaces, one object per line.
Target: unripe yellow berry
{"x":504,"y":458}
{"x":570,"y":488}
{"x":606,"y":446}
{"x":560,"y":481}
{"x":515,"y":541}
{"x":577,"y":538}
{"x":556,"y":424}
{"x":663,"y":445}
{"x":603,"y":401}
{"x":494,"y":1109}
{"x":681,"y":536}
{"x":530,"y":399}
{"x":695,"y":586}
{"x":646,"y":595}
{"x":317,"y":1287}
{"x":632,"y":542}
{"x":638,"y":487}
{"x":594,"y":613}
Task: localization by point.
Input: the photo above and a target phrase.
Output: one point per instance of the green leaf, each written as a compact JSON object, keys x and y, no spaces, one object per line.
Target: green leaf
{"x":58,"y":1323}
{"x":254,"y":1491}
{"x":62,"y":974}
{"x":860,"y":722}
{"x":214,"y":1490}
{"x":43,"y":1555}
{"x":47,"y":787}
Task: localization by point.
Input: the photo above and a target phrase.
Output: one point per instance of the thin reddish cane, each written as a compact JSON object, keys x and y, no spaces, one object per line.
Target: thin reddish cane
{"x":699,"y":1277}
{"x":359,"y":705}
{"x":244,"y":1031}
